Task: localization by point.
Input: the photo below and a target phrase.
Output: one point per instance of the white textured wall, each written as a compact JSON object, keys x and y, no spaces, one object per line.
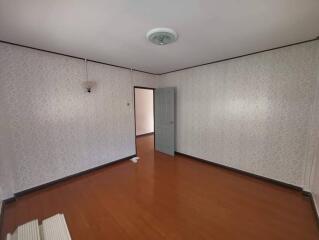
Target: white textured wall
{"x":144,"y":115}
{"x":7,"y":164}
{"x":51,"y":127}
{"x":250,"y":113}
{"x":254,"y":113}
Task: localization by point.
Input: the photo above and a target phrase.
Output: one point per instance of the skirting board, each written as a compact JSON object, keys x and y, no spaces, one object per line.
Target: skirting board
{"x":145,"y":134}
{"x":313,"y":204}
{"x":19,"y":194}
{"x":244,"y":172}
{"x":1,"y":216}
{"x":46,"y":185}
{"x":283,"y":184}
{"x":3,"y":203}
{"x":307,"y":194}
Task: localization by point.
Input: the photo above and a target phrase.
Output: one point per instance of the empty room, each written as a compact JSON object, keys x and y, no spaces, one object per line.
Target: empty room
{"x":176,"y":120}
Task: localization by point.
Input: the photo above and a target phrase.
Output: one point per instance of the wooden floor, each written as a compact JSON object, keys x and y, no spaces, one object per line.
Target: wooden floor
{"x":163,"y":197}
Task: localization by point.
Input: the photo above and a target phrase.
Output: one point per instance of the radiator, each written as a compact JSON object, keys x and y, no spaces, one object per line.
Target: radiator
{"x":53,"y":228}
{"x":28,"y":231}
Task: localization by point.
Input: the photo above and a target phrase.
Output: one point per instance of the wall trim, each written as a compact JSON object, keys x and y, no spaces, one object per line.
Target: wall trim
{"x":280,"y":183}
{"x":147,"y":88}
{"x":240,"y":56}
{"x":1,"y":218}
{"x":4,"y":202}
{"x":42,"y":186}
{"x":71,"y":56}
{"x":313,"y":205}
{"x":46,"y":185}
{"x":145,"y":134}
{"x":158,"y":74}
{"x":270,"y":180}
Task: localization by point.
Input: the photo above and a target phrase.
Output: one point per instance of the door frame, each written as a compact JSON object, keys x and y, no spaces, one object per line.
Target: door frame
{"x":147,"y":88}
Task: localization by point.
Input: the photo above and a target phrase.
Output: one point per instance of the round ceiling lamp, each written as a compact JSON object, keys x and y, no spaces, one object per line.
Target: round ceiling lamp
{"x":161,"y":36}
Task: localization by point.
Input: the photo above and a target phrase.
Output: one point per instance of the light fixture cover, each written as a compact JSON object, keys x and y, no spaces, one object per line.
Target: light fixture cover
{"x":161,"y":36}
{"x":89,"y":85}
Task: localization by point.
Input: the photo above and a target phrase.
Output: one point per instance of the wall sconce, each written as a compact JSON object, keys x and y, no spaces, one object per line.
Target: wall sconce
{"x":88,"y":85}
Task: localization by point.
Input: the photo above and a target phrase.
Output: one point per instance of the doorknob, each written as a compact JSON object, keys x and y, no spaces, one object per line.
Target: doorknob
{"x":171,"y":122}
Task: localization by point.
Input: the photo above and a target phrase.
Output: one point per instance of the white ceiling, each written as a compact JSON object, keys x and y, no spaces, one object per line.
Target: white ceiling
{"x":113,"y":31}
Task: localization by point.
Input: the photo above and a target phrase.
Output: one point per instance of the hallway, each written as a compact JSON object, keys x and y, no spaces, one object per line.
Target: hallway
{"x":164,"y":197}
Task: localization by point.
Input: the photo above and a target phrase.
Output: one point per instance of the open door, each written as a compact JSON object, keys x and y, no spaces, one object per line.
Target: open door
{"x":165,"y":120}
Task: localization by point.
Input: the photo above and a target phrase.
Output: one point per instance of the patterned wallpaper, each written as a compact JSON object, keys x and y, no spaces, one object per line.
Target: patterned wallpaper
{"x":52,"y":128}
{"x":250,"y":113}
{"x":254,"y":113}
{"x":6,"y":162}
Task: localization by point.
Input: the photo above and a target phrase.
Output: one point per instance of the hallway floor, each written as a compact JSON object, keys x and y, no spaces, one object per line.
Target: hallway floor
{"x":164,"y":197}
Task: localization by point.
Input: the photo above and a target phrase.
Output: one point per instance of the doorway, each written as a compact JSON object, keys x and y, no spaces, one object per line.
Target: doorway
{"x":144,"y":111}
{"x":154,"y":112}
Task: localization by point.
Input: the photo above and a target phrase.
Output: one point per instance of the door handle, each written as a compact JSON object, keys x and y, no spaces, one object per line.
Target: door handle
{"x":171,"y":122}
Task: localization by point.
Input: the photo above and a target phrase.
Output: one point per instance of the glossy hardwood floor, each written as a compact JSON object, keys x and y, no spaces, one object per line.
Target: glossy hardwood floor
{"x":163,"y":197}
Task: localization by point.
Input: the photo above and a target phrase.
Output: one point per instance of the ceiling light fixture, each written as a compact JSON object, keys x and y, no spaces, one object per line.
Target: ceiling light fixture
{"x":161,"y":36}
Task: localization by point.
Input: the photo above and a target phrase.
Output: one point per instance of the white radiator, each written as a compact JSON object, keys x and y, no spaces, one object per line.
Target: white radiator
{"x":28,"y":231}
{"x":53,"y":228}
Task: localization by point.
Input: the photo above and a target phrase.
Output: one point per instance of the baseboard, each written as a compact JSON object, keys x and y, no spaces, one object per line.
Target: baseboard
{"x":46,"y":185}
{"x":1,"y":217}
{"x":43,"y":186}
{"x":315,"y":207}
{"x":283,"y":184}
{"x":145,"y":134}
{"x":8,"y":200}
{"x":24,"y":192}
{"x":313,"y":204}
{"x":4,"y":202}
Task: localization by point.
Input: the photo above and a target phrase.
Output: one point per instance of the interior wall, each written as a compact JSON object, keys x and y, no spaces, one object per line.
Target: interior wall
{"x":51,"y":127}
{"x":144,"y":115}
{"x":253,"y":113}
{"x":7,"y":181}
{"x":250,"y":113}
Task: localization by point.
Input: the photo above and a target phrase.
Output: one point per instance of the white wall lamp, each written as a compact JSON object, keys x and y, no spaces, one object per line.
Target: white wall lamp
{"x":88,"y":85}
